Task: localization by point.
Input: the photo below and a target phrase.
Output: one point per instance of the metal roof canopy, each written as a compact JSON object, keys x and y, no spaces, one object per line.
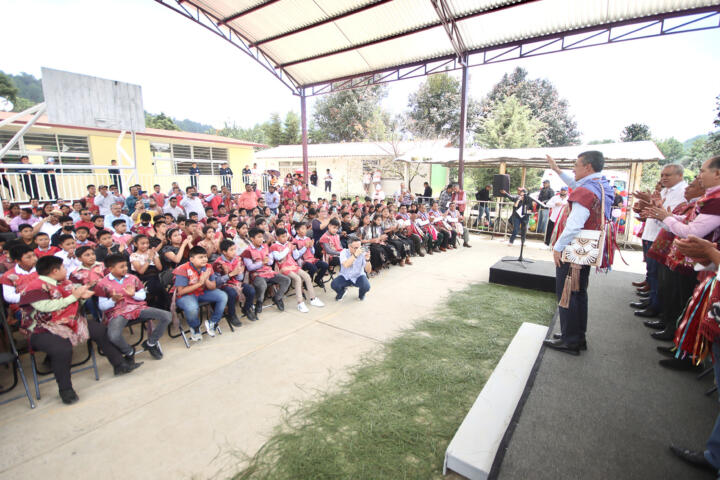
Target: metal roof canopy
{"x":321,"y":46}
{"x":617,"y":155}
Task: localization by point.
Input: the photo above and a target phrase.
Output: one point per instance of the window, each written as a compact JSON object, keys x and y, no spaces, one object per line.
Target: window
{"x":65,"y":150}
{"x":178,"y":158}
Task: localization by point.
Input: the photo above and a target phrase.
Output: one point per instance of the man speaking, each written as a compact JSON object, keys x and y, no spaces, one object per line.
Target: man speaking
{"x":589,"y":189}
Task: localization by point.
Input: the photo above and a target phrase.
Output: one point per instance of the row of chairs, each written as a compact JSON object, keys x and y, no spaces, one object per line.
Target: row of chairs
{"x":11,"y":358}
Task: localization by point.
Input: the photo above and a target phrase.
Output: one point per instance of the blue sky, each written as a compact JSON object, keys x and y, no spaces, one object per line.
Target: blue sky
{"x":669,"y":83}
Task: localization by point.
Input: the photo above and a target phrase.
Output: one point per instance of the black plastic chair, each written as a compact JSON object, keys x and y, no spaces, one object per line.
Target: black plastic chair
{"x":36,"y":371}
{"x":12,"y":357}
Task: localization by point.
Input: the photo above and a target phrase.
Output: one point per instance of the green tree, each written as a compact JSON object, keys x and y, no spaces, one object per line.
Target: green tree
{"x":273,"y":130}
{"x":29,"y":87}
{"x":291,"y":129}
{"x":509,"y":125}
{"x":350,"y":115}
{"x":545,"y":104}
{"x":635,"y":132}
{"x":435,"y":109}
{"x":8,"y":90}
{"x":160,"y":121}
{"x":601,"y":142}
{"x":672,"y":150}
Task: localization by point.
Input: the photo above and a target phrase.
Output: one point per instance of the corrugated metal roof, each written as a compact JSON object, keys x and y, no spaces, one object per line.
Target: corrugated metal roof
{"x":350,"y":149}
{"x":323,"y":40}
{"x":621,"y":152}
{"x":150,"y":132}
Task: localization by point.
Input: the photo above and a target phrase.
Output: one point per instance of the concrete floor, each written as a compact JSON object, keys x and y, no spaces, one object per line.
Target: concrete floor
{"x":192,"y":413}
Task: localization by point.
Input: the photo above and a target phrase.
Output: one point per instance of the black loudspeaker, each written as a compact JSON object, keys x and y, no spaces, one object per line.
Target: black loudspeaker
{"x":501,"y":182}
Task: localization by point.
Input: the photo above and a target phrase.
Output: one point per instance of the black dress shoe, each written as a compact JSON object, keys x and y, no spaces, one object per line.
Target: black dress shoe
{"x":279,"y":304}
{"x":667,"y":334}
{"x":258,"y":308}
{"x":640,"y":304}
{"x":582,"y":345}
{"x":647,"y":313}
{"x":696,"y":459}
{"x":667,"y":351}
{"x":250,"y":314}
{"x":561,"y":346}
{"x":68,"y":396}
{"x":683,"y":365}
{"x":643,"y":294}
{"x":154,"y":350}
{"x":126,"y":367}
{"x":654,"y":324}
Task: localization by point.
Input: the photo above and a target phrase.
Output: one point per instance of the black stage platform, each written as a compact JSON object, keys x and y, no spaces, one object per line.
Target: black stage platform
{"x":538,"y":275}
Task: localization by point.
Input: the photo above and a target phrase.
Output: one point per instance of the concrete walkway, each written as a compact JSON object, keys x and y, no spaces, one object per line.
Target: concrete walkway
{"x":190,"y":414}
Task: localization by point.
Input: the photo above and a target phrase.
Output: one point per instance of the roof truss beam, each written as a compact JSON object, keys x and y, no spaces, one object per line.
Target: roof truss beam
{"x":402,"y":34}
{"x":246,"y":11}
{"x":319,"y":23}
{"x":703,"y":19}
{"x":448,"y":21}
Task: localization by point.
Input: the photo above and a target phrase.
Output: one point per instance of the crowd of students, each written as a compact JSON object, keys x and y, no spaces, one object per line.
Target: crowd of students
{"x":107,"y":258}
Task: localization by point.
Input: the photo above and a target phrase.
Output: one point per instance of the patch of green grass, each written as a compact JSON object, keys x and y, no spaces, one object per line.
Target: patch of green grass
{"x":395,"y":415}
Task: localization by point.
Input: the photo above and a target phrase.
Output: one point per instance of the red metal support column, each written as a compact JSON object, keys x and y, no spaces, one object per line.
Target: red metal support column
{"x":463,"y":124}
{"x":303,"y":117}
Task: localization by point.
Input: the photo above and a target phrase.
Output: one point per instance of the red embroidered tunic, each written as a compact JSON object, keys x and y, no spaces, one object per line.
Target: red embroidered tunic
{"x":18,"y":280}
{"x":288,"y":263}
{"x":187,"y":270}
{"x":127,"y":307}
{"x":88,"y":276}
{"x":307,"y":243}
{"x":258,"y":255}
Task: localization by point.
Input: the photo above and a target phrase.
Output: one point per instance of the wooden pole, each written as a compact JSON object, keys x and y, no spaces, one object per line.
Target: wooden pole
{"x":502,"y":167}
{"x":524,"y":173}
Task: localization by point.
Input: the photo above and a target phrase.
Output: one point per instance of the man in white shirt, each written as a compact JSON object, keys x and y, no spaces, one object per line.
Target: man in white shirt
{"x":672,"y":195}
{"x":173,"y":208}
{"x":105,"y":200}
{"x":192,"y":203}
{"x":556,"y":205}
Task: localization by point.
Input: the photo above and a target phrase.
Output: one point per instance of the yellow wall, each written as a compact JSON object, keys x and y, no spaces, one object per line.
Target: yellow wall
{"x":103,"y":149}
{"x":238,"y":157}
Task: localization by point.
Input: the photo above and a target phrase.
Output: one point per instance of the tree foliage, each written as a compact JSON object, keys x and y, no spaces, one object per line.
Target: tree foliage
{"x":351,"y":116}
{"x":8,"y":89}
{"x":274,"y":130}
{"x":435,"y":109}
{"x":292,"y":134}
{"x":188,"y":125}
{"x":160,"y":121}
{"x":508,"y":125}
{"x":672,"y":150}
{"x":635,"y":132}
{"x":544,"y":102}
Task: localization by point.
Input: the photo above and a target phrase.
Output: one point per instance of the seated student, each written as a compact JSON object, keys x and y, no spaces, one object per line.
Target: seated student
{"x":26,"y":236}
{"x":258,"y":262}
{"x":210,"y":242}
{"x":17,"y":277}
{"x":121,"y":297}
{"x":51,"y":318}
{"x":281,"y":252}
{"x":144,"y":227}
{"x":121,"y":237}
{"x":67,"y":227}
{"x":354,"y":268}
{"x":230,"y":271}
{"x":98,"y":224}
{"x":44,"y":248}
{"x":304,"y":253}
{"x":330,"y":242}
{"x":146,"y":264}
{"x":88,"y":273}
{"x":195,"y":283}
{"x":106,"y":246}
{"x":82,"y":238}
{"x":67,"y":253}
{"x":174,"y":252}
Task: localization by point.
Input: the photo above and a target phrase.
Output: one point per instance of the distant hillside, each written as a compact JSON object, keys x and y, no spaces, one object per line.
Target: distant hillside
{"x":29,"y":86}
{"x":688,"y":143}
{"x":188,"y":125}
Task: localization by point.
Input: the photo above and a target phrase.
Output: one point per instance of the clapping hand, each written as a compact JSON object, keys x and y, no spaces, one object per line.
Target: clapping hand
{"x":367,"y":255}
{"x":129,"y":290}
{"x":205,"y":275}
{"x":82,"y":292}
{"x":697,"y":248}
{"x":658,"y":213}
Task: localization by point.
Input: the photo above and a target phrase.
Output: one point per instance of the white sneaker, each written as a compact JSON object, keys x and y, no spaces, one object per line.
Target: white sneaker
{"x":316,"y":302}
{"x":195,"y":335}
{"x":210,"y":328}
{"x":303,"y":308}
